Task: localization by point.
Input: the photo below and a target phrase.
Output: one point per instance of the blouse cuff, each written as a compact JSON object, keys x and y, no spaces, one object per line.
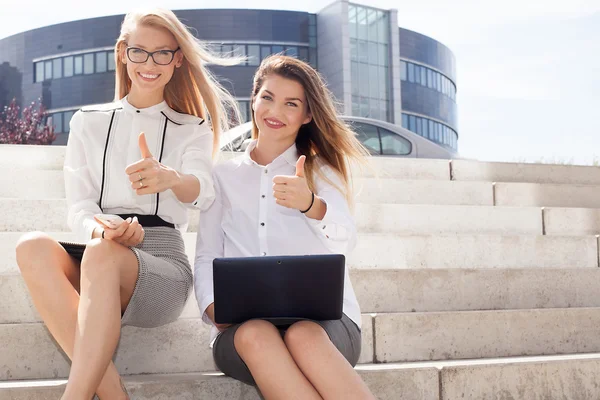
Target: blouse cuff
{"x":204,"y":303}
{"x":331,"y":226}
{"x":207,"y":191}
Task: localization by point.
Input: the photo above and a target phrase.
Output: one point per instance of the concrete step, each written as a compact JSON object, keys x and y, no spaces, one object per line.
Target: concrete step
{"x":424,"y":251}
{"x":52,"y":158}
{"x":546,"y":195}
{"x":393,"y":383}
{"x":50,"y":216}
{"x":401,"y":337}
{"x":29,"y":352}
{"x":49,"y":184}
{"x":467,"y":170}
{"x":420,"y":290}
{"x":571,"y":221}
{"x":572,"y":377}
{"x":431,"y":220}
{"x":534,"y":378}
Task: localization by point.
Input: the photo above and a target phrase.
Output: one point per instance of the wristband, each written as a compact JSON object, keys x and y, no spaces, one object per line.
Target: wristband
{"x":311,"y":204}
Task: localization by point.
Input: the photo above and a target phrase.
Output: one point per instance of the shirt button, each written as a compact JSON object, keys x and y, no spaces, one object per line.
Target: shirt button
{"x":138,"y":111}
{"x":266,"y":171}
{"x":264,"y":254}
{"x":263,"y":196}
{"x":262,"y":224}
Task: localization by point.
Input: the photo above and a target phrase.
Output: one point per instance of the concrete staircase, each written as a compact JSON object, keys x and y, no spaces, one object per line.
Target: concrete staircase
{"x":476,"y":280}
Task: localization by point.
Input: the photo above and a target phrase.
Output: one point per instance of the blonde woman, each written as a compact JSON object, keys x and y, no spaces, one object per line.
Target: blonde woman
{"x":289,"y":194}
{"x":134,"y":272}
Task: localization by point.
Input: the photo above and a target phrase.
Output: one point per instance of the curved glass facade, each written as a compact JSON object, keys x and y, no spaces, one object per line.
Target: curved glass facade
{"x":415,"y":73}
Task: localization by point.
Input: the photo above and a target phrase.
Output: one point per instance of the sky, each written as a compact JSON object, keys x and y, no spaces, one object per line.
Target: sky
{"x":528,"y":71}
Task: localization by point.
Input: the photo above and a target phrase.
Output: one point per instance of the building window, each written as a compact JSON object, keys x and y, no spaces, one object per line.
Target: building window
{"x":265,"y":51}
{"x":57,"y":68}
{"x":67,"y":120}
{"x":427,"y":77}
{"x":48,"y":70}
{"x":411,"y":72}
{"x":369,"y":55}
{"x":101,"y":63}
{"x":239,"y":51}
{"x":88,"y":64}
{"x":111,"y":61}
{"x":312,"y":57}
{"x":57,"y":122}
{"x":412,"y":123}
{"x":276,"y":49}
{"x":253,"y":54}
{"x":78,"y":65}
{"x":303,"y":53}
{"x":68,"y":66}
{"x":291,"y":51}
{"x":39,"y":71}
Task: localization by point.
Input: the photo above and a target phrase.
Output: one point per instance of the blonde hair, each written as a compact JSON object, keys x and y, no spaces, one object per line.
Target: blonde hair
{"x":326,"y":137}
{"x":192,"y":89}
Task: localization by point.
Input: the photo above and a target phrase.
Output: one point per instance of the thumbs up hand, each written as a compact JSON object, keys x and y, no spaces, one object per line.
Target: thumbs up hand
{"x":293,"y":191}
{"x":149,"y":176}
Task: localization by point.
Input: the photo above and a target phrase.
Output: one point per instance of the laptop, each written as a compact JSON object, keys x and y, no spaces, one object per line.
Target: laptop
{"x":281,"y":289}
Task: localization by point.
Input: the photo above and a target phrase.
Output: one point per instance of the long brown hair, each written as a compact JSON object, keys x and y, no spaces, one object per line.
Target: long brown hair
{"x":324,"y":140}
{"x":192,"y":89}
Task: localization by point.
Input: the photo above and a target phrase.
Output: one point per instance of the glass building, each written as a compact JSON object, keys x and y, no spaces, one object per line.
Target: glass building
{"x":374,"y":68}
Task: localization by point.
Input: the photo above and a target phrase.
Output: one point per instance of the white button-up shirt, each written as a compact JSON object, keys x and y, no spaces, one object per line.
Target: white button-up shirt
{"x":104,"y":140}
{"x":245,"y":221}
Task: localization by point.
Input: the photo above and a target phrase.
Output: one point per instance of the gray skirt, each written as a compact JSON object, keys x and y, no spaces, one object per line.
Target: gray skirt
{"x":164,"y":280}
{"x":343,"y":333}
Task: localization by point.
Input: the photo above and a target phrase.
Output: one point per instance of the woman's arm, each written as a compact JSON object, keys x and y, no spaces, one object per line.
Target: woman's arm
{"x":209,"y":245}
{"x":81,"y":193}
{"x":195,"y":187}
{"x":328,"y":214}
{"x":336,"y":228}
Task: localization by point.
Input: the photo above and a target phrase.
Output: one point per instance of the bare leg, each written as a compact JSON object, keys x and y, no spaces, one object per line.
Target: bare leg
{"x":322,"y":364}
{"x":260,"y":345}
{"x":109,"y":273}
{"x":52,"y":278}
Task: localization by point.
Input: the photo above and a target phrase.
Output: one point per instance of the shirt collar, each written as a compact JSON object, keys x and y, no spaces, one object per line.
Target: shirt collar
{"x":153,"y":110}
{"x":290,"y":155}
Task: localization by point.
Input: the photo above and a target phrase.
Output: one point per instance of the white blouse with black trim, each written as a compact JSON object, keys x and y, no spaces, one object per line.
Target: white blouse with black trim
{"x":103,"y":141}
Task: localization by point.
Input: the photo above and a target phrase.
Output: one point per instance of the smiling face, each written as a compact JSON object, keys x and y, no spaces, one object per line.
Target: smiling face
{"x":148,"y":77}
{"x":280,"y":109}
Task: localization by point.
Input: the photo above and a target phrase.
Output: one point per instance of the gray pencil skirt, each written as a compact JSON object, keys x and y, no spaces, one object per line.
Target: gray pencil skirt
{"x":164,"y":281}
{"x":343,"y":333}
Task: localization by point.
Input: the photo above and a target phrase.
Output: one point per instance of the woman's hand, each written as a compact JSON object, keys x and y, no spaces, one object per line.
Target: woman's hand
{"x":149,"y":176}
{"x":293,"y":191}
{"x":210,"y":311}
{"x":130,"y":233}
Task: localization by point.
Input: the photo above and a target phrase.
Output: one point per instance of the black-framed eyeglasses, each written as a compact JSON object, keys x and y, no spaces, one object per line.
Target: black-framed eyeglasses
{"x":160,"y":57}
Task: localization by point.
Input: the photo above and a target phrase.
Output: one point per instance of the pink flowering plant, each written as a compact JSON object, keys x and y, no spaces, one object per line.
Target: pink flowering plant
{"x":27,"y":127}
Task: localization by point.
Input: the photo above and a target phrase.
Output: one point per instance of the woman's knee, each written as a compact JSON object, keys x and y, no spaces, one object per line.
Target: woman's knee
{"x":33,"y":250}
{"x":254,"y":336}
{"x":303,"y":335}
{"x":102,"y":256}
